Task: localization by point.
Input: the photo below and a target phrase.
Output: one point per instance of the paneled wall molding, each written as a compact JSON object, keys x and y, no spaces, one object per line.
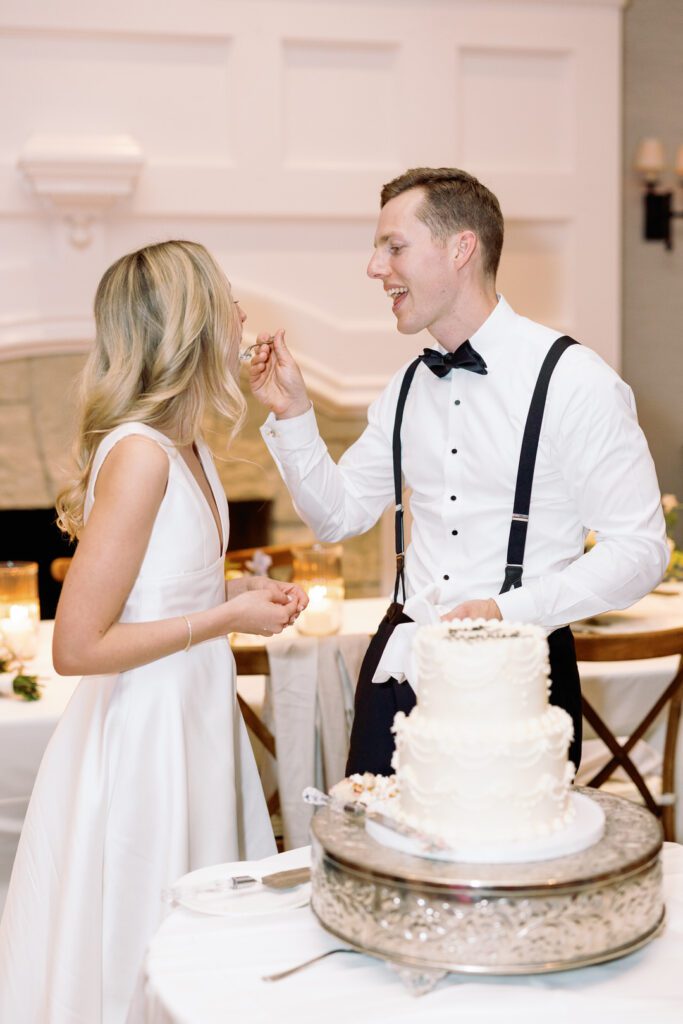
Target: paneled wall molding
{"x":81,"y":176}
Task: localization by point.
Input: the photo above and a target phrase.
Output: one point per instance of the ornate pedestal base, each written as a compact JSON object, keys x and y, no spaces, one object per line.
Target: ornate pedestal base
{"x":432,"y":917}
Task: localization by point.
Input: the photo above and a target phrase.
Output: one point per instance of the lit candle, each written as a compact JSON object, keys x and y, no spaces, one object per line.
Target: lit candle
{"x":19,"y":629}
{"x":320,"y":617}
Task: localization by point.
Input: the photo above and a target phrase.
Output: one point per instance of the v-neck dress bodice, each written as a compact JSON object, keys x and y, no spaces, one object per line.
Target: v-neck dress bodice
{"x":149,"y":775}
{"x":182,"y":570}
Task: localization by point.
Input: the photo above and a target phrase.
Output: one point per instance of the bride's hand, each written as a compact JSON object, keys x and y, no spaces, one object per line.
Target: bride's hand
{"x":261,"y":610}
{"x":296,"y":593}
{"x":266,"y":583}
{"x":291,"y":590}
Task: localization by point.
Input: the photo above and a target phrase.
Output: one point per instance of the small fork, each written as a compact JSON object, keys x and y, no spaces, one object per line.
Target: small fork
{"x":247,"y":353}
{"x":299,"y":967}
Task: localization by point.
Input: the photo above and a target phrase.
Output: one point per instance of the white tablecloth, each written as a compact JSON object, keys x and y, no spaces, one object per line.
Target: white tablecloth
{"x":25,"y":728}
{"x":208,"y":970}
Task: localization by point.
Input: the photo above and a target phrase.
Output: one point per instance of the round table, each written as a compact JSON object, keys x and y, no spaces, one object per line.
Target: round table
{"x":208,"y":970}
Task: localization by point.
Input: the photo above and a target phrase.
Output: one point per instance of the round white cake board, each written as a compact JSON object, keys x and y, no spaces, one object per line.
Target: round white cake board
{"x":586,"y":828}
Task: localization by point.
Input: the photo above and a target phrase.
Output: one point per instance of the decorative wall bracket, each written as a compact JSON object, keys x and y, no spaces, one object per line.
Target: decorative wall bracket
{"x":81,"y":176}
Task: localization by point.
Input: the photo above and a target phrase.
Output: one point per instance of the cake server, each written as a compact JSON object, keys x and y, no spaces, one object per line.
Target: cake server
{"x":427,"y":842}
{"x":314,"y":796}
{"x":276,"y":880}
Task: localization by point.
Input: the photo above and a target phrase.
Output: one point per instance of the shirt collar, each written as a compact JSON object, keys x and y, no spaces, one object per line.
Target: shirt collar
{"x":494,"y":331}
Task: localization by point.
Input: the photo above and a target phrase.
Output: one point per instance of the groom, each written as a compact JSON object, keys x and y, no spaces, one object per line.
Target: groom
{"x":514,"y":442}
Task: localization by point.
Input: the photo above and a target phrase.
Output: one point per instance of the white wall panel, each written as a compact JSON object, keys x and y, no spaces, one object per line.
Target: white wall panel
{"x":538,"y":269}
{"x":505,"y":97}
{"x":327,"y":120}
{"x":174,"y":95}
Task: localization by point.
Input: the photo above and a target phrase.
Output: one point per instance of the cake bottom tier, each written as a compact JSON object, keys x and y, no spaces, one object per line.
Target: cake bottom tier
{"x":461,"y":786}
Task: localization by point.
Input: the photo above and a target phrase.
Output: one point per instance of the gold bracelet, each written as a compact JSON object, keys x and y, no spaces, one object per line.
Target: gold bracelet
{"x":189,"y":635}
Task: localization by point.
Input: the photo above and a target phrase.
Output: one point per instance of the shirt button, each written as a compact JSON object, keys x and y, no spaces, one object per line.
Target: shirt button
{"x":446,"y":577}
{"x":456,"y":402}
{"x":454,"y":451}
{"x":452,"y":497}
{"x":454,"y":532}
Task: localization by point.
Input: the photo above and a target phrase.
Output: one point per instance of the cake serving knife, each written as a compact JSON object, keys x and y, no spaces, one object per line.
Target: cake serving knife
{"x":289,"y":879}
{"x":314,"y":796}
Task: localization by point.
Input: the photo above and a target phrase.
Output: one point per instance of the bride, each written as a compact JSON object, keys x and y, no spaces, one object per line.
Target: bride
{"x":149,"y":773}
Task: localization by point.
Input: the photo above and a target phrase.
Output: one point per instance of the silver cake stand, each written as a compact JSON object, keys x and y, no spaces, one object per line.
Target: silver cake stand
{"x":428,"y":918}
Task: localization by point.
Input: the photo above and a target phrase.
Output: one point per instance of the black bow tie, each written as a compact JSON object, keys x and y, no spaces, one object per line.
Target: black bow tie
{"x":464,"y":358}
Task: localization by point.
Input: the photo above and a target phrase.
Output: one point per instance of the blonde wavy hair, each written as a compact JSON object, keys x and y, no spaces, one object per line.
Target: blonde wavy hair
{"x":166,"y":352}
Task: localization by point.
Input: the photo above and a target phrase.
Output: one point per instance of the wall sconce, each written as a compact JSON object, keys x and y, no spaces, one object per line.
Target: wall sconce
{"x":649,"y":163}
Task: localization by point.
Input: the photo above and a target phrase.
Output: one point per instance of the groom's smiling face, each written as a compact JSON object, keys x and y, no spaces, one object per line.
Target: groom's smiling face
{"x":417,"y":270}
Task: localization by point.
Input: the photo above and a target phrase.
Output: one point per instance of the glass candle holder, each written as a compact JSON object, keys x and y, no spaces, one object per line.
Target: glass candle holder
{"x":317,"y":569}
{"x":19,"y":610}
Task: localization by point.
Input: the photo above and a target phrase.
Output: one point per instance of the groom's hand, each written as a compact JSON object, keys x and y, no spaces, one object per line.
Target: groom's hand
{"x":276,"y":380}
{"x":474,"y":610}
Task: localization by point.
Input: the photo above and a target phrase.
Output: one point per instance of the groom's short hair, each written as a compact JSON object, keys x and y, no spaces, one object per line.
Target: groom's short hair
{"x":454,"y":201}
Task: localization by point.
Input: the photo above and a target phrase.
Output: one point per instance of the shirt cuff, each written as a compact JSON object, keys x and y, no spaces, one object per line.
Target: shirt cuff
{"x":290,"y":434}
{"x":518,"y":605}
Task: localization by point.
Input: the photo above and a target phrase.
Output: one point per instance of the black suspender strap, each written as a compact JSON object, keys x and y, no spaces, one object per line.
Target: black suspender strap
{"x":398,"y":481}
{"x":527,"y":462}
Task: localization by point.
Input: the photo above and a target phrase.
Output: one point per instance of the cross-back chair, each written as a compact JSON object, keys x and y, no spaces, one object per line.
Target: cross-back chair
{"x":250,"y":662}
{"x":595,"y":647}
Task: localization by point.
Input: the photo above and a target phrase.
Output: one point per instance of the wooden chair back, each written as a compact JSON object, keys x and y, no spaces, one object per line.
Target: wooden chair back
{"x":597,"y":647}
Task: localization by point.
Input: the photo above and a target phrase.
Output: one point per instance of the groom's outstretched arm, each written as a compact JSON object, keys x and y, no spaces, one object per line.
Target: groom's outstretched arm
{"x":336,"y":501}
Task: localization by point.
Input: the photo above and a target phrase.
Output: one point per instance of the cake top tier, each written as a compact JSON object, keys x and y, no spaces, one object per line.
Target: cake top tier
{"x":484,"y":670}
{"x":478,"y":630}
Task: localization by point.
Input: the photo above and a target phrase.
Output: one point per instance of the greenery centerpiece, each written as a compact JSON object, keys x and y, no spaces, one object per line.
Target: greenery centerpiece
{"x":14,"y":679}
{"x":671,"y":507}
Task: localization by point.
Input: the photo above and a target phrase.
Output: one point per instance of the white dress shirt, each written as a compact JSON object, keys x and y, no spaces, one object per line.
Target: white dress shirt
{"x":461,"y":440}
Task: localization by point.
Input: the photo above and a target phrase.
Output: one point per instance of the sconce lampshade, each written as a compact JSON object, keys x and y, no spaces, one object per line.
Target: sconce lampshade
{"x":649,"y":161}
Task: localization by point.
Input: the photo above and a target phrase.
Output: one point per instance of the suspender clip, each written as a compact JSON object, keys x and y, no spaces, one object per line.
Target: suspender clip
{"x":519,"y":518}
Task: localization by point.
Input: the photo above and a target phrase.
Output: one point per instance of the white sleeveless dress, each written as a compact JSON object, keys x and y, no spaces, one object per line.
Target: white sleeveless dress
{"x":149,"y":774}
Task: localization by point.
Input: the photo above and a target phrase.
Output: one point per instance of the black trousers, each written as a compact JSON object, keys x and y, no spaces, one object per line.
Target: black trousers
{"x":372,"y":742}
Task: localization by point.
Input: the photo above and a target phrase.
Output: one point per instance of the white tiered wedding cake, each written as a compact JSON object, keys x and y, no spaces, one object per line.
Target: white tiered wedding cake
{"x":481,"y":763}
{"x":483,"y":757}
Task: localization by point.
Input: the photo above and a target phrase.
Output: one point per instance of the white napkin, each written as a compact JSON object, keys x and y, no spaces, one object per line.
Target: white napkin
{"x":311,"y":685}
{"x":397,"y":659}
